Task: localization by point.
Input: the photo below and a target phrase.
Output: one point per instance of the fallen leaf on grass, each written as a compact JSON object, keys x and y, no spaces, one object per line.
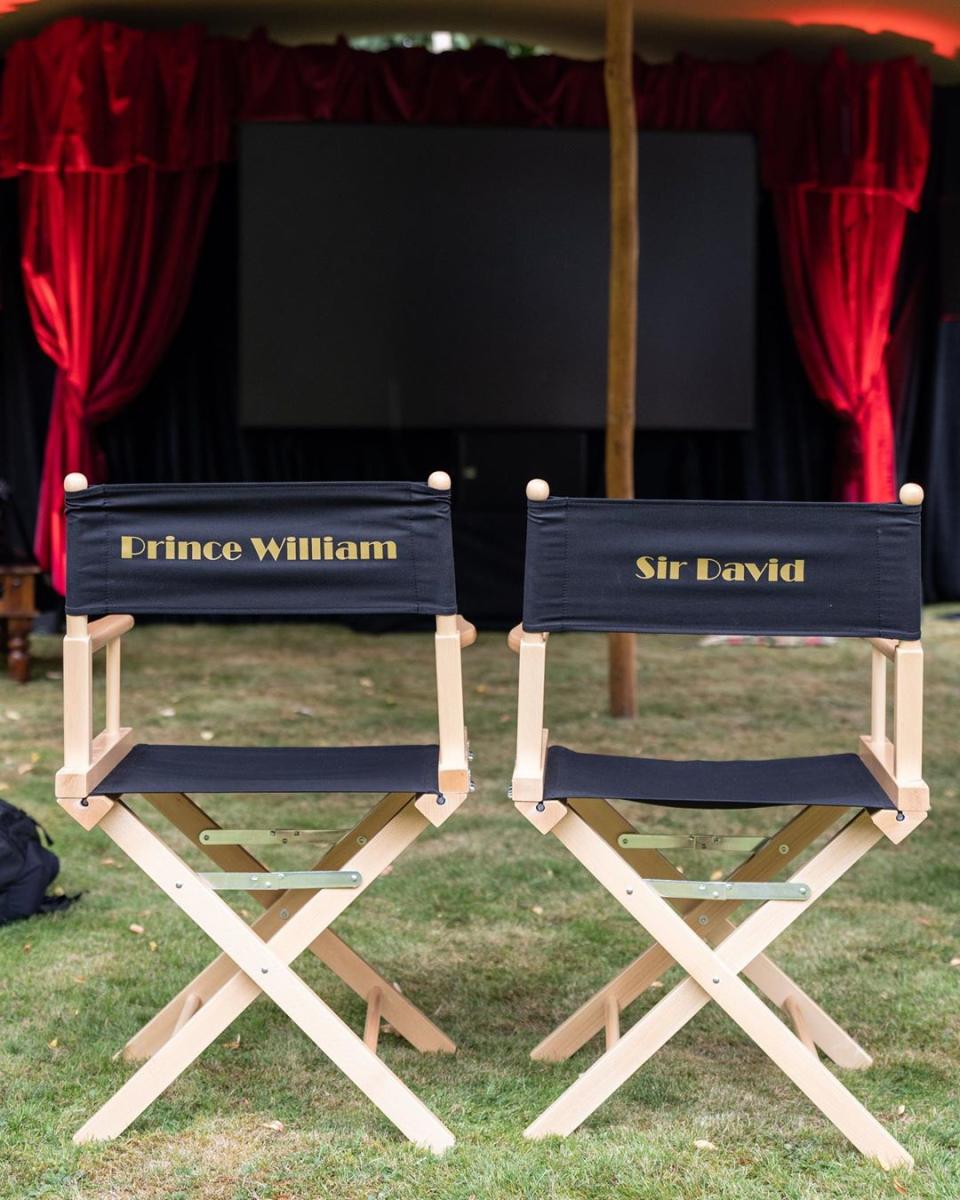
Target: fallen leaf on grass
{"x":276,"y":1126}
{"x":207,"y":735}
{"x":79,"y":979}
{"x":538,"y":909}
{"x":899,"y":1187}
{"x":168,"y":712}
{"x":138,"y":929}
{"x":657,"y":983}
{"x":303,"y":712}
{"x":11,"y":714}
{"x":955,"y":962}
{"x":234,"y":1045}
{"x":53,"y":1043}
{"x":718,"y":874}
{"x":25,"y":768}
{"x":153,"y":947}
{"x":366,"y":682}
{"x":27,"y":947}
{"x":703,"y":1144}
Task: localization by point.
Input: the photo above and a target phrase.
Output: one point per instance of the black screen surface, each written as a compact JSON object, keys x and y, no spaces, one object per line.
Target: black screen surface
{"x":399,"y":276}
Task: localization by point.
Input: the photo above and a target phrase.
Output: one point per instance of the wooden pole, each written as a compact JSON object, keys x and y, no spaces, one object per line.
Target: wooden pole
{"x":622,"y":334}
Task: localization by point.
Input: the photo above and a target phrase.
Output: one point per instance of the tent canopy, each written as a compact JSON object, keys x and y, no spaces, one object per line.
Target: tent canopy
{"x":928,"y":29}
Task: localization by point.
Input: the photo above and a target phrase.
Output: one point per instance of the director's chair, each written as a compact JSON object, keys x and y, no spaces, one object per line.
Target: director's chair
{"x":850,"y":570}
{"x":265,"y":550}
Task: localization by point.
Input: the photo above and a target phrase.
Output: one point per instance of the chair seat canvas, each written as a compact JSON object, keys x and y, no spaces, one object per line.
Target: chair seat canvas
{"x":274,"y":769}
{"x":839,"y":780}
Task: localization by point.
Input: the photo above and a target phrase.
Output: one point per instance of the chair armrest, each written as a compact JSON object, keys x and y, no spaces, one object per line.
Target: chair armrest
{"x":107,"y":630}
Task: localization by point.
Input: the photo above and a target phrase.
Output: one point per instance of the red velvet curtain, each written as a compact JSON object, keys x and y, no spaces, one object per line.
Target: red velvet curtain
{"x":844,"y":177}
{"x":118,"y":133}
{"x":840,"y":254}
{"x":108,"y":261}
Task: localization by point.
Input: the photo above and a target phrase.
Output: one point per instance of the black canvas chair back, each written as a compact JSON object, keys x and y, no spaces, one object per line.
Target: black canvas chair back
{"x":624,"y":566}
{"x":260,"y":549}
{"x":310,"y":549}
{"x":663,"y":566}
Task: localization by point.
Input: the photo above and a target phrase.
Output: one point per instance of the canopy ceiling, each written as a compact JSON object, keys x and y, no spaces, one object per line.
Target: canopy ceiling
{"x":928,"y":29}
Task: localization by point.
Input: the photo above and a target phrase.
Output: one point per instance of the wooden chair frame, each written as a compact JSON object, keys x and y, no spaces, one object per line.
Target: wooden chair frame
{"x":258,"y":958}
{"x":698,"y":933}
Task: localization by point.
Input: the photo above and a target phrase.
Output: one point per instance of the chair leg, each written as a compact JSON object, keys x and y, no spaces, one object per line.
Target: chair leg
{"x":331,"y":950}
{"x":263,"y":968}
{"x":634,"y":979}
{"x":713,"y":974}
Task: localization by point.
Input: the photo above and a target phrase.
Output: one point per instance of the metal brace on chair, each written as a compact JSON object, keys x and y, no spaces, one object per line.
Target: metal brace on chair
{"x":261,"y":881}
{"x":687,"y":841}
{"x":264,"y":837}
{"x":694,"y":889}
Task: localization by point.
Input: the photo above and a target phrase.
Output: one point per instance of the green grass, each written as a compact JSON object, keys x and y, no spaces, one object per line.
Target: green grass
{"x":495,"y":931}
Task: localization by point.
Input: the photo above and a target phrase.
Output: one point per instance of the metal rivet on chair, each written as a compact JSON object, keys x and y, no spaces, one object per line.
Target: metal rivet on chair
{"x":441,"y":799}
{"x":901,"y":816}
{"x":541,"y":807}
{"x":703,"y":920}
{"x":784,"y":848}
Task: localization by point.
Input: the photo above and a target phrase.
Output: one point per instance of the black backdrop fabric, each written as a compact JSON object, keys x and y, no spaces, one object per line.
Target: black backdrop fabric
{"x":925,"y":354}
{"x":184,"y":426}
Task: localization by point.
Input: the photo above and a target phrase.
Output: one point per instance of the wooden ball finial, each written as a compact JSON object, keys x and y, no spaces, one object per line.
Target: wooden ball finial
{"x":538,"y":489}
{"x":439,"y":481}
{"x":75,"y":482}
{"x":911,"y":493}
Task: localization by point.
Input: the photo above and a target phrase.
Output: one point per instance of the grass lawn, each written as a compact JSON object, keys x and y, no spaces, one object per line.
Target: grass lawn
{"x":495,"y":931}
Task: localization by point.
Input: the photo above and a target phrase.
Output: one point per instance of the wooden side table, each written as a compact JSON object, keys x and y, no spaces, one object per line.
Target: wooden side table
{"x":17,"y":611}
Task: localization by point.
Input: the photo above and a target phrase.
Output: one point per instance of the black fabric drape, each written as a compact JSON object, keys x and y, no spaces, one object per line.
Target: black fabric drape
{"x":925,"y":354}
{"x":26,"y":374}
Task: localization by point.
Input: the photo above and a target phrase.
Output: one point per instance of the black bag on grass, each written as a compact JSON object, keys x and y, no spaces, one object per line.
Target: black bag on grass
{"x":27,"y":867}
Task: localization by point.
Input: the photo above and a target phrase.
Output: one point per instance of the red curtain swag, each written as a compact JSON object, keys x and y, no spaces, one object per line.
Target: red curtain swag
{"x":117,"y":134}
{"x":107,"y":264}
